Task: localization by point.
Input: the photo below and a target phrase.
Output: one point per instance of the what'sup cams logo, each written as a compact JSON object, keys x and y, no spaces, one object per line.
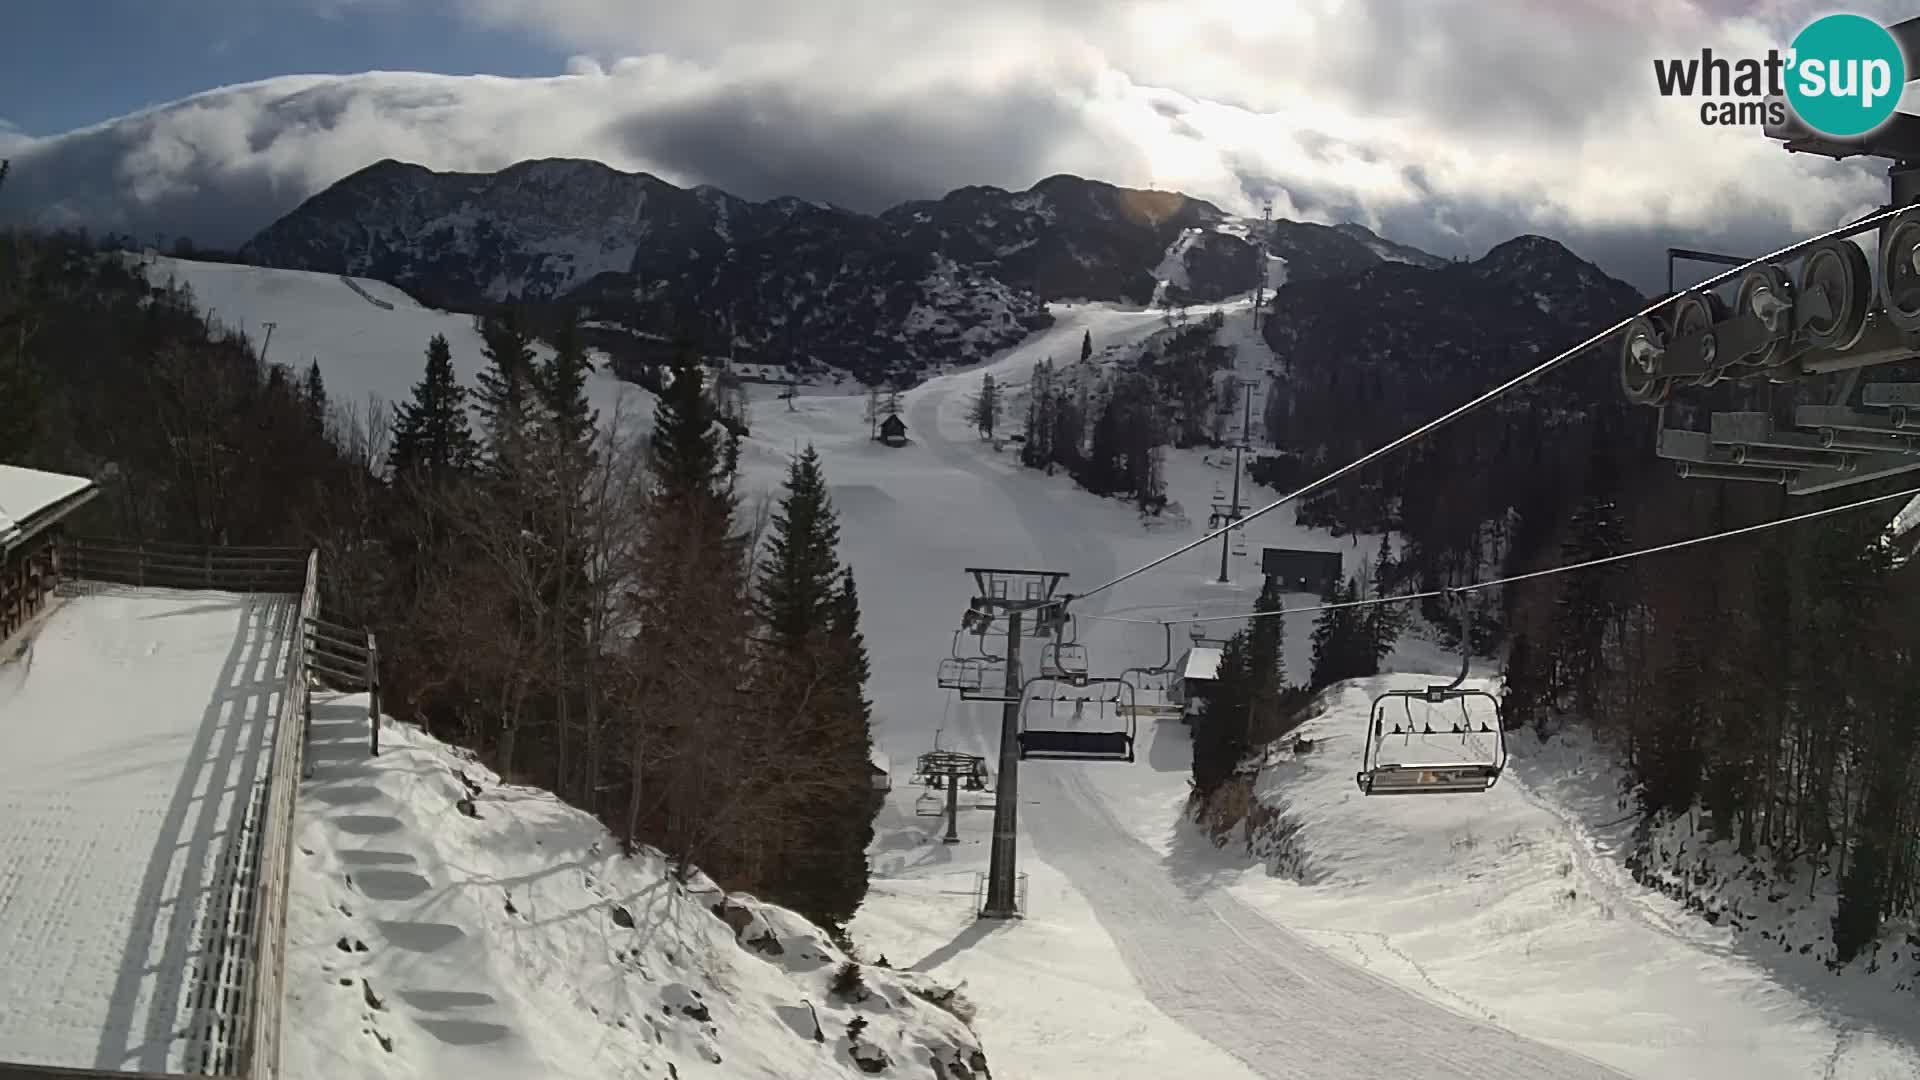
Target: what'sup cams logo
{"x":1842,"y":77}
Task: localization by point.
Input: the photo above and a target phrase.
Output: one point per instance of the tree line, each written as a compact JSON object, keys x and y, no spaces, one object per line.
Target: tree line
{"x":592,"y":608}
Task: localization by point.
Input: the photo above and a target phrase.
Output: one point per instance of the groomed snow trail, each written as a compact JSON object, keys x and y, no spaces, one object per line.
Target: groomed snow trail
{"x":136,"y":724}
{"x":1258,"y":992}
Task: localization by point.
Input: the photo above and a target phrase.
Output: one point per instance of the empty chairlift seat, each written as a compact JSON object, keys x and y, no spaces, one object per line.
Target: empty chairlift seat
{"x":1100,"y":727}
{"x":1085,"y":745}
{"x":1470,"y":736}
{"x":1451,"y":778}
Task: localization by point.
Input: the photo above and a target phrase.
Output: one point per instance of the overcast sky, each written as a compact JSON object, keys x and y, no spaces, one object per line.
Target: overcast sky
{"x":1449,"y":124}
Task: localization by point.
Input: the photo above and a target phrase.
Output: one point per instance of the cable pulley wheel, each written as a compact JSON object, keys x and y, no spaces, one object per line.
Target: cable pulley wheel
{"x":1767,"y":293}
{"x":1837,"y":270}
{"x":1692,"y":313}
{"x":1899,"y":266}
{"x":1641,"y":351}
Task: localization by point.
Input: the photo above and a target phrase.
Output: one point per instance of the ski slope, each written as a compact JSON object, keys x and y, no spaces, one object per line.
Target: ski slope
{"x":369,"y":337}
{"x":136,"y":727}
{"x":1439,"y":949}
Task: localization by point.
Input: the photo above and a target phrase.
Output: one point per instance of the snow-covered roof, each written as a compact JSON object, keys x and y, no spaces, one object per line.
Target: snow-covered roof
{"x":1905,"y":520}
{"x":1202,"y":663}
{"x":27,"y":493}
{"x":881,"y":762}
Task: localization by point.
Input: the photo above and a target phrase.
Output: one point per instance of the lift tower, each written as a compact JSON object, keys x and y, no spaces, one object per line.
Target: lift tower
{"x":1012,"y":593}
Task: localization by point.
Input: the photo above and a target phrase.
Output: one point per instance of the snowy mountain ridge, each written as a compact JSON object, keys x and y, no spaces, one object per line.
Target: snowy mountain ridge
{"x":955,"y":279}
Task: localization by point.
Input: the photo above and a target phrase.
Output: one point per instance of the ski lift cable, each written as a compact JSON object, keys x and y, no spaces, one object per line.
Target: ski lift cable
{"x":1471,"y":406}
{"x":1588,"y":564}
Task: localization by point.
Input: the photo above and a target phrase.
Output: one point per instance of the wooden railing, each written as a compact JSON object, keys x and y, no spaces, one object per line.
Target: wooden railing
{"x":266,"y":974}
{"x":185,"y":566}
{"x":347,"y":659}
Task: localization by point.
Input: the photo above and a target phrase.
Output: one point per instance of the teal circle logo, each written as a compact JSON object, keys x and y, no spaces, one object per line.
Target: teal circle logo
{"x":1846,"y":75}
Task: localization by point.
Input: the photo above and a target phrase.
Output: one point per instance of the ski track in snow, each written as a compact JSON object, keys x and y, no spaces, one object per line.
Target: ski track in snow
{"x":1258,"y":992}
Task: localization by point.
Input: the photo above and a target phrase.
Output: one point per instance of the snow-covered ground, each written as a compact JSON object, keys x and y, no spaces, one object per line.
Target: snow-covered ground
{"x":446,"y":924}
{"x":1433,"y":947}
{"x":369,"y":337}
{"x":1510,"y":906}
{"x":135,"y":723}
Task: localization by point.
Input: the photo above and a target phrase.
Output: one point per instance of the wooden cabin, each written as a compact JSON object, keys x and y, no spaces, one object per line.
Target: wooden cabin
{"x":1302,"y":571}
{"x":893,"y":431}
{"x":33,"y":505}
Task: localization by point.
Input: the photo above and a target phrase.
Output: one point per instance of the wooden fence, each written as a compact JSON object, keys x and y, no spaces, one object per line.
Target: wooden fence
{"x":280,"y":570}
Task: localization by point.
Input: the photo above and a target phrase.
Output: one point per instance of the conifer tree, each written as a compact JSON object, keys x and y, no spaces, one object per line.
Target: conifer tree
{"x":1220,"y":731}
{"x":431,"y":434}
{"x":1086,"y":346}
{"x":692,"y":606}
{"x":985,"y":412}
{"x":811,"y":676}
{"x":562,"y":385}
{"x":1341,"y":647}
{"x":1590,"y":604}
{"x":1265,"y":640}
{"x":314,"y":397}
{"x":799,"y":572}
{"x":1383,"y":622}
{"x":504,"y":393}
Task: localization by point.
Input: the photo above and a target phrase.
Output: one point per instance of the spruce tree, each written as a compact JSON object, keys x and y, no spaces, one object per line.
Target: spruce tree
{"x":799,"y":572}
{"x":431,"y":434}
{"x":314,"y":398}
{"x":1342,"y":648}
{"x":811,"y":676}
{"x":562,"y":385}
{"x":504,"y":393}
{"x":1220,"y":731}
{"x":692,"y":604}
{"x":1265,"y":640}
{"x":1591,"y":603}
{"x":985,"y":411}
{"x":1383,"y":621}
{"x":1086,"y":346}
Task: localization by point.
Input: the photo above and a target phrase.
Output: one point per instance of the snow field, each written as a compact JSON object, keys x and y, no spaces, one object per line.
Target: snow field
{"x":137,"y":726}
{"x":1147,"y":951}
{"x":444,"y":923}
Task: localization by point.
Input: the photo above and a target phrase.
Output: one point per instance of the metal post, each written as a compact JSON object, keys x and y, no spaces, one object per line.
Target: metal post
{"x":373,"y":696}
{"x":1006,"y":803}
{"x":1233,"y":508}
{"x":953,"y":808}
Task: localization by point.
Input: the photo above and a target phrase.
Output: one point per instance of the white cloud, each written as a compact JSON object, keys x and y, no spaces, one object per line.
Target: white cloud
{"x":1453,"y":123}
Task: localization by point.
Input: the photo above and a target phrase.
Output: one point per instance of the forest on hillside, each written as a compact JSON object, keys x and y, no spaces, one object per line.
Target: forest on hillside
{"x":1761,"y":682}
{"x":592,"y":611}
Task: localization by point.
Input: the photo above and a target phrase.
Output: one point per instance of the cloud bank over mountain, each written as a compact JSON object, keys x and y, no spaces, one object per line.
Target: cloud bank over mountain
{"x":1441,"y":123}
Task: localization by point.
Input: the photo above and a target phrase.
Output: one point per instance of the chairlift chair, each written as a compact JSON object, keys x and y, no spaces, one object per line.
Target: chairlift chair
{"x":1473,"y":774}
{"x":1136,"y":677}
{"x":929,"y":805}
{"x":1039,"y":735}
